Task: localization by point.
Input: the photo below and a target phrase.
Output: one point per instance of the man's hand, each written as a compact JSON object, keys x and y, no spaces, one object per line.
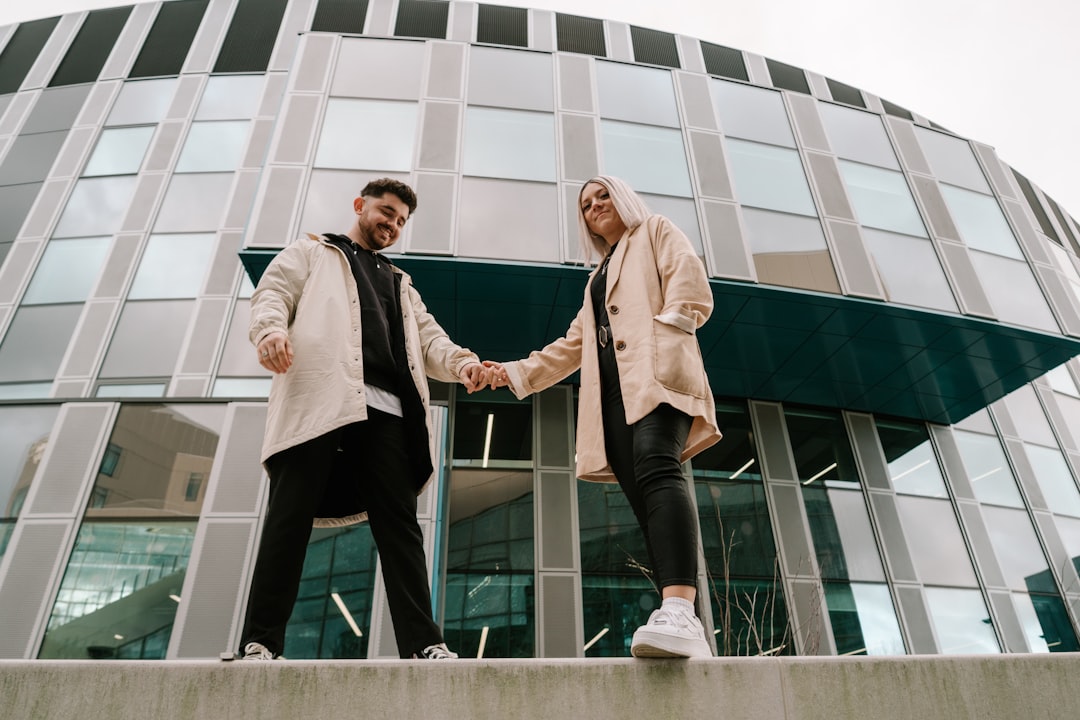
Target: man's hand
{"x":495,"y":375}
{"x":473,"y":377}
{"x":275,"y":352}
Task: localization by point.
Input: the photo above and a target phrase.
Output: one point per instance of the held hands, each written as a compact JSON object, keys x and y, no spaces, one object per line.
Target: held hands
{"x":477,"y":376}
{"x":275,"y":352}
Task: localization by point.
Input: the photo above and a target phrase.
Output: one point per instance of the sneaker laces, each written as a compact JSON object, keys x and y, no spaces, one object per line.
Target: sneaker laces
{"x":438,"y":652}
{"x":257,"y":651}
{"x":676,"y":617}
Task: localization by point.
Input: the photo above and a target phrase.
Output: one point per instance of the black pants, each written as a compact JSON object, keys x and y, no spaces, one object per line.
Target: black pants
{"x":645,"y":459}
{"x":298,"y":477}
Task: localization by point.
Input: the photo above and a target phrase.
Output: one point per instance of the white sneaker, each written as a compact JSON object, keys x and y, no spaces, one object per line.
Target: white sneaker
{"x":670,"y":632}
{"x":437,"y":652}
{"x":258,"y":651}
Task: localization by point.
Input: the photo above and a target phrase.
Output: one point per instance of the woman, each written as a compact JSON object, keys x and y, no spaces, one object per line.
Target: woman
{"x":645,"y":404}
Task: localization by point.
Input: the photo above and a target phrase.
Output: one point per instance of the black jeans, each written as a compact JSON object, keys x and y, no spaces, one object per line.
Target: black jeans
{"x":645,"y":459}
{"x":298,"y":477}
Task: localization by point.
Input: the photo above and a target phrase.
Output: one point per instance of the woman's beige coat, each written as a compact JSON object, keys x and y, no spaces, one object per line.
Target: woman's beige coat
{"x":657,"y":296}
{"x":309,"y":292}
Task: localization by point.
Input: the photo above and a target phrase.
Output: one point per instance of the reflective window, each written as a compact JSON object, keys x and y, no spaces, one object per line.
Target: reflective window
{"x":24,"y":391}
{"x":331,"y":617}
{"x":789,"y":250}
{"x":124,"y":579}
{"x":881,"y":198}
{"x":1014,"y":293}
{"x":1028,"y":416}
{"x":682,"y":212}
{"x":241,"y":388}
{"x":933,"y":536}
{"x":863,"y":619}
{"x":910,"y":270}
{"x":350,"y":125}
{"x":238,"y":358}
{"x":194,"y":203}
{"x":987,"y":468}
{"x":509,"y":144}
{"x":67,"y":271}
{"x":951,"y":159}
{"x":961,"y":622}
{"x":230,"y":97}
{"x":401,"y":67}
{"x":913,"y":467}
{"x":636,"y":94}
{"x":746,"y":592}
{"x":97,"y":206}
{"x":980,"y":222}
{"x":1018,"y":550}
{"x":511,"y":78}
{"x":328,"y":202}
{"x":651,"y":159}
{"x":751,"y":113}
{"x":172,"y":266}
{"x":213,"y":147}
{"x":1069,"y":529}
{"x":857,"y":135}
{"x":35,"y":342}
{"x":490,"y":591}
{"x":487,"y":207}
{"x":1061,"y":380}
{"x":24,"y":438}
{"x":142,"y":102}
{"x":119,"y":151}
{"x":769,"y":177}
{"x":1046,"y":623}
{"x":130,"y":390}
{"x":147,"y":339}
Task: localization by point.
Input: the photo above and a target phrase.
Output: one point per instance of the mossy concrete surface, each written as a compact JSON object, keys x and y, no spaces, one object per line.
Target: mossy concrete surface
{"x":977,"y":687}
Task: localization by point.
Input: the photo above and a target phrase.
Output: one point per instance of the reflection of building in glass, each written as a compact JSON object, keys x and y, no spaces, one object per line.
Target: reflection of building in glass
{"x":892,"y":346}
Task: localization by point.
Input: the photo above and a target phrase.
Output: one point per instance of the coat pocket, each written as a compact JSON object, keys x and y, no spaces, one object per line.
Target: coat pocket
{"x":678,"y":360}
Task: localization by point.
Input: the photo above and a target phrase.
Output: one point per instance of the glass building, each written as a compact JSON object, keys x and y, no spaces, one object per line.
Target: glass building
{"x":892,"y":349}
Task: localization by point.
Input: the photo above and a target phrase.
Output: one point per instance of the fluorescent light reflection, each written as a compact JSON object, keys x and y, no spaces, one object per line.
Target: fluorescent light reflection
{"x":487,"y":439}
{"x":174,"y":598}
{"x":807,"y":482}
{"x":741,"y":470}
{"x":924,"y":463}
{"x":348,"y":615}
{"x":596,"y":637}
{"x":985,"y":475}
{"x":484,"y":631}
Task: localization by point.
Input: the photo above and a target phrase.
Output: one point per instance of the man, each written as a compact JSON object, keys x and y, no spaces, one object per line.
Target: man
{"x":351,"y":345}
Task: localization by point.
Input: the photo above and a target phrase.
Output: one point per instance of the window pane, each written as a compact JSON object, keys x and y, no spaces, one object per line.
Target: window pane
{"x":332,"y":614}
{"x":401,"y":67}
{"x":822,"y":451}
{"x":511,"y":78}
{"x":509,"y":144}
{"x":987,"y":468}
{"x":35,"y":342}
{"x":933,"y":536}
{"x":96,"y":207}
{"x":910,"y":270}
{"x":1014,"y":293}
{"x":349,"y":125}
{"x":239,"y":357}
{"x":1029,"y":417}
{"x":1046,"y":623}
{"x":120,"y":592}
{"x":752,"y":113}
{"x":194,"y":203}
{"x":25,"y":391}
{"x":213,"y":147}
{"x":881,"y":199}
{"x":863,"y":619}
{"x":961,"y":621}
{"x":130,"y":390}
{"x":147,"y":339}
{"x":241,"y":388}
{"x":172,"y":266}
{"x":142,"y":102}
{"x":789,"y":250}
{"x":119,"y":151}
{"x":230,"y":97}
{"x":636,"y":94}
{"x":980,"y":222}
{"x":913,"y":468}
{"x":769,"y":177}
{"x":67,"y":271}
{"x":487,"y":432}
{"x":1018,"y":550}
{"x":951,"y":159}
{"x":651,"y":159}
{"x":24,"y":437}
{"x":859,"y":136}
{"x":487,"y":207}
{"x":1061,"y":380}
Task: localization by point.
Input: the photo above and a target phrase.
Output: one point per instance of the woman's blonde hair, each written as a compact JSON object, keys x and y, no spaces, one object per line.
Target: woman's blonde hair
{"x":631,"y":208}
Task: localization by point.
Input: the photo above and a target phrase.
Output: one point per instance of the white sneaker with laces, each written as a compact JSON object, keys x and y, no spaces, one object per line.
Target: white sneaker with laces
{"x":672,"y":631}
{"x":258,"y":651}
{"x":437,"y":652}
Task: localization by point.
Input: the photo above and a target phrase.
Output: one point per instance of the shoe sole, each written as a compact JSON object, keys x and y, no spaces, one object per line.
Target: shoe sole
{"x":648,"y":644}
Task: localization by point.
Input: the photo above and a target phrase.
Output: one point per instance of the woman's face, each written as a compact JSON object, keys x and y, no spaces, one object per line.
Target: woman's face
{"x":599,"y":212}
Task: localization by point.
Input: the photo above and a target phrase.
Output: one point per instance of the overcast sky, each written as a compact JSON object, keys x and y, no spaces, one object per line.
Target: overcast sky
{"x":998,"y":71}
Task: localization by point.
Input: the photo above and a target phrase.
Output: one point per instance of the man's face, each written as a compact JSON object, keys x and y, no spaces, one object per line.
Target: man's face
{"x":380,"y":220}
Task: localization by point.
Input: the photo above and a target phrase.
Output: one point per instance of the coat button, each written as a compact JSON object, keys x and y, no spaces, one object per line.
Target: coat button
{"x":620,"y":345}
{"x":614,"y":310}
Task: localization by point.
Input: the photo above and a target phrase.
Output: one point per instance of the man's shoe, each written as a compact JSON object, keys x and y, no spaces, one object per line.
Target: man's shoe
{"x":437,"y":652}
{"x":672,"y":632}
{"x":258,"y":651}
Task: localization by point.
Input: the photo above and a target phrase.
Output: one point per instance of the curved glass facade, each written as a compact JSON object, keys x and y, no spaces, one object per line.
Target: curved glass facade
{"x":897,"y":314}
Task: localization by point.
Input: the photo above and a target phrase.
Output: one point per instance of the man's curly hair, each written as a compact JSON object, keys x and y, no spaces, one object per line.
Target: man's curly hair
{"x":378,"y":188}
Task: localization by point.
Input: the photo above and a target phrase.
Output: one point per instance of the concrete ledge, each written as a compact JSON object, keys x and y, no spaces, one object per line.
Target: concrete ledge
{"x":976,"y":687}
